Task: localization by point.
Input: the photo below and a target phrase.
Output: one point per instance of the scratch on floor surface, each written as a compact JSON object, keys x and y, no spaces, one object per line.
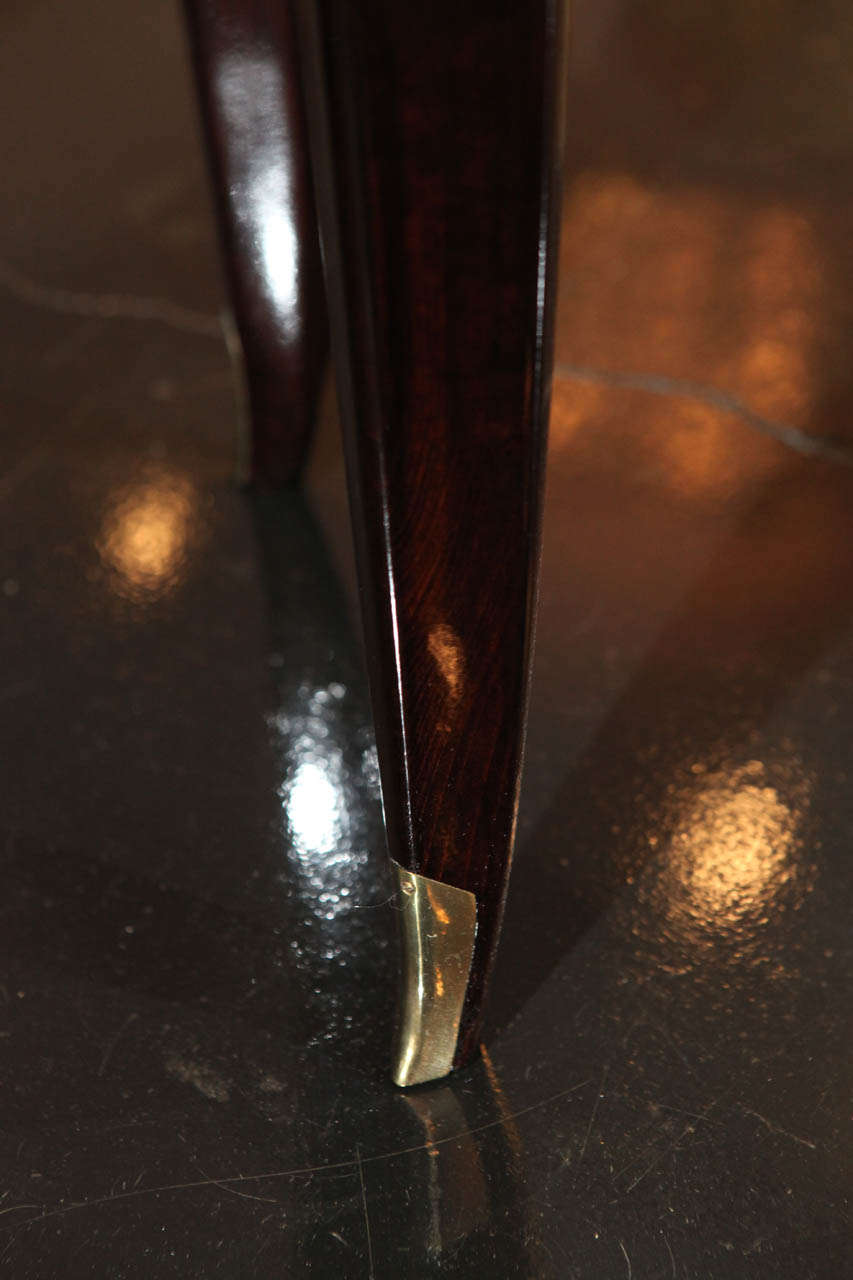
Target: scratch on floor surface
{"x":336,"y":1166}
{"x":366,"y":1215}
{"x":107,"y":1054}
{"x":627,"y":1260}
{"x":775,"y":1128}
{"x":658,"y":385}
{"x":108,"y":306}
{"x":243,"y":1195}
{"x":598,"y":1096}
{"x":671,"y":1257}
{"x":667,"y":1150}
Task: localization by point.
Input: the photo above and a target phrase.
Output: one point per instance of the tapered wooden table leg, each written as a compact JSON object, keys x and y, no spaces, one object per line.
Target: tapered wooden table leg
{"x":435,"y":127}
{"x":250,"y":88}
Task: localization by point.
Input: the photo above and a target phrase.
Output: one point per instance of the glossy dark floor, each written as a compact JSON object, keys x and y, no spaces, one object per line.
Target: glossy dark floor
{"x":197,"y":939}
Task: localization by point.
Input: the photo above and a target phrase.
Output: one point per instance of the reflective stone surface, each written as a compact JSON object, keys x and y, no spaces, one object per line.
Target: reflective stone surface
{"x":197,"y":950}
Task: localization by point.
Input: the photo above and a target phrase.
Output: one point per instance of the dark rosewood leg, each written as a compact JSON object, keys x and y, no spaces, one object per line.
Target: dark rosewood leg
{"x":437,"y":169}
{"x":251,"y":94}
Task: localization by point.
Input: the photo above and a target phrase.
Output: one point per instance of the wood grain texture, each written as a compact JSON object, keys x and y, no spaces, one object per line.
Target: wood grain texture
{"x":437,"y":169}
{"x":247,"y":69}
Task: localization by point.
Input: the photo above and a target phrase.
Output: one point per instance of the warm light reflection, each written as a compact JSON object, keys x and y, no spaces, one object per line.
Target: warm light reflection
{"x":144,"y":535}
{"x":698,"y":285}
{"x":782,"y":282}
{"x":574,"y":404}
{"x":734,"y":848}
{"x":697,"y":450}
{"x":447,"y":654}
{"x":456,"y":1190}
{"x":508,"y":1120}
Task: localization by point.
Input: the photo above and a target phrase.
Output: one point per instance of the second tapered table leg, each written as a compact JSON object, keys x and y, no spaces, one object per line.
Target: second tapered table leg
{"x":435,"y":133}
{"x":248,"y":75}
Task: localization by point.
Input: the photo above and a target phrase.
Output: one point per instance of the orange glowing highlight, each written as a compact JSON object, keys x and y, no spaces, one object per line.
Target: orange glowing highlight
{"x":144,"y":535}
{"x":734,"y":849}
{"x":446,"y":652}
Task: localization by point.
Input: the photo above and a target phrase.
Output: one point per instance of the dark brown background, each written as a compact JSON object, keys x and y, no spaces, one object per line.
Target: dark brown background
{"x":196,"y":948}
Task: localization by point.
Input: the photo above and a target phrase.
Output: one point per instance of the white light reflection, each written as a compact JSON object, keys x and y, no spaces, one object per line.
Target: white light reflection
{"x":316,"y":814}
{"x":277,"y":239}
{"x":313,"y":805}
{"x":253,"y":102}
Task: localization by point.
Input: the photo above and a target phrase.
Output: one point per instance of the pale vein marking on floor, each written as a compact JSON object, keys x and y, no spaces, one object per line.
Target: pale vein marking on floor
{"x":723,"y":401}
{"x":108,"y":306}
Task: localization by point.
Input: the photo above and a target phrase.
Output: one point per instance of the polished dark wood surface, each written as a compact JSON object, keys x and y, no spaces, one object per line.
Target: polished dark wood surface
{"x":249,"y":82}
{"x":437,"y":179}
